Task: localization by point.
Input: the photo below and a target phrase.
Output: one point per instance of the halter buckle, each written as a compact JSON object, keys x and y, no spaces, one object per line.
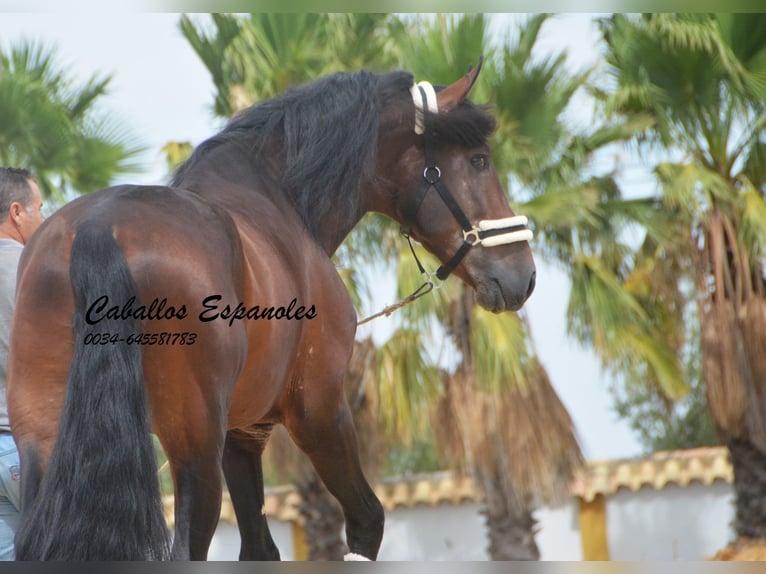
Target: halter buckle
{"x":471,"y":236}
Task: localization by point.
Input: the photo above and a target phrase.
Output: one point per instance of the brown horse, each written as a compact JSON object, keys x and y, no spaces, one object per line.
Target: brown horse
{"x":209,"y":311}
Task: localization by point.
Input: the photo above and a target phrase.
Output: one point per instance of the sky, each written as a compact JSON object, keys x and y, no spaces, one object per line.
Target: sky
{"x":161,"y":92}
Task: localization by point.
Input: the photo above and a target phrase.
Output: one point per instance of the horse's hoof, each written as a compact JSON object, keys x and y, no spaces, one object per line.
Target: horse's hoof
{"x":352,"y":557}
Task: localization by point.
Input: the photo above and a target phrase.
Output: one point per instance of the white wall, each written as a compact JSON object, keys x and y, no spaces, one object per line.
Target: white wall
{"x":674,"y":523}
{"x":445,"y":532}
{"x":559,"y":534}
{"x":458,"y":533}
{"x":225,"y":545}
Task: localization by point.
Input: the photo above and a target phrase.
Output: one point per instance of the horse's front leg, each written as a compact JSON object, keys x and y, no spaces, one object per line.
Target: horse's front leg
{"x":244,"y":477}
{"x":327,"y":435}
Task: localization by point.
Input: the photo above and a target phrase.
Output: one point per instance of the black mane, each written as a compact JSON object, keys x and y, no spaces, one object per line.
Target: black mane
{"x":328,"y":134}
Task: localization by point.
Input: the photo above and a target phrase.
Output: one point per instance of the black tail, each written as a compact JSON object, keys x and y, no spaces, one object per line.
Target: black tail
{"x":99,"y":498}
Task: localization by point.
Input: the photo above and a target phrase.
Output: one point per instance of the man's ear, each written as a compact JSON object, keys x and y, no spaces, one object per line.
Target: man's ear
{"x":15,"y":210}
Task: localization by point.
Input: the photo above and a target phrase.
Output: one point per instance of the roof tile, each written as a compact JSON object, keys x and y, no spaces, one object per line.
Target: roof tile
{"x":605,"y":477}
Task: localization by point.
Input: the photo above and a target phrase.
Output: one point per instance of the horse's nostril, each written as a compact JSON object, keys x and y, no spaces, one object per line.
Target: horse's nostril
{"x":531,"y":283}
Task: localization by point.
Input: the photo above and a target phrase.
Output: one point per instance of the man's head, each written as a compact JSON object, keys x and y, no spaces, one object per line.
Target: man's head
{"x":20,"y":204}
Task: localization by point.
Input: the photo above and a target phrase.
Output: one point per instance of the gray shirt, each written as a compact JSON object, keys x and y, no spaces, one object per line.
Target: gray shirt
{"x":10,"y":252}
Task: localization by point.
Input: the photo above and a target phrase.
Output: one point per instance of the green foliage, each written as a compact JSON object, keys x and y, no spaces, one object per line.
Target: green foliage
{"x":163,"y":468}
{"x":421,"y":456}
{"x":530,"y":97}
{"x":701,"y":78}
{"x":176,"y":153}
{"x":51,"y":125}
{"x":439,"y":47}
{"x":501,"y":349}
{"x":406,"y":384}
{"x":256,"y":56}
{"x":661,"y":424}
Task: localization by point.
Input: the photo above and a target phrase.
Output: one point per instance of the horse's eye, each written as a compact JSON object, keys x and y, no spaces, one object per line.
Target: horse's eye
{"x":480,"y":162}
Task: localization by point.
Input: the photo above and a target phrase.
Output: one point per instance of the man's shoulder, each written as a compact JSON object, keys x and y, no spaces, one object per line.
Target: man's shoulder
{"x":10,"y":246}
{"x":10,"y":252}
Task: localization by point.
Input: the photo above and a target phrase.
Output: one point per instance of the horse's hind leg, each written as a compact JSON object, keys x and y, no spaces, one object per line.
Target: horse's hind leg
{"x":194,"y":451}
{"x":244,"y":477}
{"x":198,"y":492}
{"x":328,"y":437}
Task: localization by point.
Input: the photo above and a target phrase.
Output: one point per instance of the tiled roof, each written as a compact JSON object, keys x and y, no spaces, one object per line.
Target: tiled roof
{"x":422,"y":490}
{"x":680,"y":467}
{"x":703,"y":465}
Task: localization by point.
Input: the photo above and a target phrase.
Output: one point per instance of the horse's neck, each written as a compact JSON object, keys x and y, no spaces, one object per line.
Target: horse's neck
{"x":331,"y":240}
{"x":248,"y":183}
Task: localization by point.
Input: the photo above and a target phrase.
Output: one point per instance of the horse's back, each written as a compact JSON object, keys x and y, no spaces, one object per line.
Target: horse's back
{"x":193,"y":263}
{"x":300,"y":321}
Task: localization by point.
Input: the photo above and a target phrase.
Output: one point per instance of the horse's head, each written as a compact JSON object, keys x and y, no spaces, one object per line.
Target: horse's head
{"x":441,"y":185}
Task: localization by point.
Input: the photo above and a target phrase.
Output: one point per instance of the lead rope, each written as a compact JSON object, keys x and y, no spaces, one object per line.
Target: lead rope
{"x":424,"y":289}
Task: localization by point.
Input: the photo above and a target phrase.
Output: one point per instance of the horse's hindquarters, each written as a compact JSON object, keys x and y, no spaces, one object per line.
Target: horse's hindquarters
{"x":41,"y":344}
{"x":139,"y":266}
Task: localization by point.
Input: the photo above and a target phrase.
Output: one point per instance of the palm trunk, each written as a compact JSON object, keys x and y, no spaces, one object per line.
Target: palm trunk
{"x":510,"y":524}
{"x":750,"y":487}
{"x":323,"y":520}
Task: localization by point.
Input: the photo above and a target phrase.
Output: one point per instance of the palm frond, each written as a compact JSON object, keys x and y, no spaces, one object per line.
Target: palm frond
{"x":423,"y":311}
{"x":755,"y":161}
{"x":599,"y":308}
{"x":406,"y":385}
{"x":210,"y":45}
{"x":753,"y":225}
{"x":51,"y":124}
{"x":690,"y":187}
{"x":458,"y":40}
{"x":500,"y":351}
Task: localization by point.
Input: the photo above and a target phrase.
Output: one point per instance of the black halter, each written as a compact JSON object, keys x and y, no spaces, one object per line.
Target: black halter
{"x":495,"y":232}
{"x":432,"y":179}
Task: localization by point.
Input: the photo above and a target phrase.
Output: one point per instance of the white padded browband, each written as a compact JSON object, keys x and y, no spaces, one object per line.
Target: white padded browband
{"x":432,"y":104}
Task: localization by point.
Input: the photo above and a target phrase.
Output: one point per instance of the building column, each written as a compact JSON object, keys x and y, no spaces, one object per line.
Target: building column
{"x":593,"y":538}
{"x":300,"y":545}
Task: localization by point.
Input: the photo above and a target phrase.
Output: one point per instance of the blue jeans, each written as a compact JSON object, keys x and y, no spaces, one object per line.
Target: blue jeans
{"x":9,"y":494}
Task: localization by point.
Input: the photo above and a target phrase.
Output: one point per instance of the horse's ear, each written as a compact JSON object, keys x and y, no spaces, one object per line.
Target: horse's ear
{"x":453,"y":94}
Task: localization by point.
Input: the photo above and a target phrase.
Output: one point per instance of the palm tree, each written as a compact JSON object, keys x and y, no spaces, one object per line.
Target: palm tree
{"x":49,"y":124}
{"x":579,"y":216}
{"x":700,"y":78}
{"x":499,"y":418}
